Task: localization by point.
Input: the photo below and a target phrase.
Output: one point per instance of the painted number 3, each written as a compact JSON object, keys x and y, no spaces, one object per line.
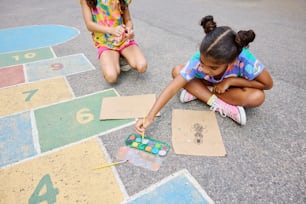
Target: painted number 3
{"x":49,"y":194}
{"x":84,"y":116}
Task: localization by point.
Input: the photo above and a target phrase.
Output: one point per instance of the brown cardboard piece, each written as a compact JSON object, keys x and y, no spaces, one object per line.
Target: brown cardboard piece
{"x":196,"y":133}
{"x":126,"y":107}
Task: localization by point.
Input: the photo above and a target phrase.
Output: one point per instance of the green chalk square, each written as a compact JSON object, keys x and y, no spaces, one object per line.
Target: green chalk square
{"x":74,"y":120}
{"x":21,"y":57}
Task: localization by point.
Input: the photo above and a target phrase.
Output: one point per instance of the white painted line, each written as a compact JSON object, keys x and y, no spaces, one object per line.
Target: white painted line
{"x":35,"y":133}
{"x":52,"y":51}
{"x":69,"y":87}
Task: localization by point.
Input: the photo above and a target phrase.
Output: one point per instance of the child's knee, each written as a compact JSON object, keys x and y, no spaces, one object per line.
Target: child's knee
{"x":110,"y":77}
{"x":142,"y":66}
{"x":260,"y":95}
{"x":176,"y":70}
{"x":255,"y":98}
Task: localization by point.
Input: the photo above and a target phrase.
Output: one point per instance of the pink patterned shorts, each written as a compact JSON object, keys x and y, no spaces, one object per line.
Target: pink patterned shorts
{"x":104,"y":48}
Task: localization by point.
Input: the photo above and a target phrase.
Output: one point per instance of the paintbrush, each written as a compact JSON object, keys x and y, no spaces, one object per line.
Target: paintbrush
{"x":109,"y":165}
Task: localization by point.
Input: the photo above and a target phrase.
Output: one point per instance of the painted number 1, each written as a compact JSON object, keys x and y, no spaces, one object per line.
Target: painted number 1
{"x":49,"y":194}
{"x":30,"y":94}
{"x":29,"y":55}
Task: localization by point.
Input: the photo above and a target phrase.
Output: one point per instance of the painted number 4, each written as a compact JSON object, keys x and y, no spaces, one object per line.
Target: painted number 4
{"x":49,"y":194}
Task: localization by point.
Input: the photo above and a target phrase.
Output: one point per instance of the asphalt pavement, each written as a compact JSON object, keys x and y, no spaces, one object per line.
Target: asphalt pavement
{"x":266,"y":160}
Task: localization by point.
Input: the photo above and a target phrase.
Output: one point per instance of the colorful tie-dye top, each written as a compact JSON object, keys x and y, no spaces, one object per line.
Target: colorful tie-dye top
{"x":246,"y":66}
{"x":107,"y":13}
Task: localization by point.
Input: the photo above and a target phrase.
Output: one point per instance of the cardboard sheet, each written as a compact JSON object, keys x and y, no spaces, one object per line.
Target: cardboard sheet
{"x":125,"y":107}
{"x":196,"y":133}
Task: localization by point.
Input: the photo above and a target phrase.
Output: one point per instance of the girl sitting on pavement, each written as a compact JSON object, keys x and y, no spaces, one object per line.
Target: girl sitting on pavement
{"x":224,"y":74}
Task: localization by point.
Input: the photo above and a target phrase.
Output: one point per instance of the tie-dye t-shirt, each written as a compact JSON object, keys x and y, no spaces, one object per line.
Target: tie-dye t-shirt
{"x":107,"y":13}
{"x":246,"y":66}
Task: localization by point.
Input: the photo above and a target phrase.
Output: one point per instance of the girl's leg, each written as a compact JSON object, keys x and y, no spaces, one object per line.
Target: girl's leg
{"x":200,"y":89}
{"x":109,"y":61}
{"x":135,"y":58}
{"x":246,"y":97}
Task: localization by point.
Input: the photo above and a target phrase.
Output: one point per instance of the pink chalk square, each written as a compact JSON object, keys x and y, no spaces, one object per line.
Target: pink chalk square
{"x":11,"y":75}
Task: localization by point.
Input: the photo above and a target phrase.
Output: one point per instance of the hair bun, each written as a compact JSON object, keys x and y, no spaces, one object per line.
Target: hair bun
{"x":243,"y":38}
{"x":208,"y":23}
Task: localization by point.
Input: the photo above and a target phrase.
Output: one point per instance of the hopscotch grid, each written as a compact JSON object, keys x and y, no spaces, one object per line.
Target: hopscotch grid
{"x":40,"y":60}
{"x":91,"y":65}
{"x":115,"y":172}
{"x":183,"y":172}
{"x":67,"y":56}
{"x":31,"y":82}
{"x":59,"y":102}
{"x":25,"y":50}
{"x":56,"y":57}
{"x":26,"y":76}
{"x":55,"y":44}
{"x":67,"y":145}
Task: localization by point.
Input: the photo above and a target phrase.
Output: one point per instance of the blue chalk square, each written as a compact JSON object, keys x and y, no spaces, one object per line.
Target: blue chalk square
{"x":16,"y":141}
{"x":60,"y":66}
{"x":179,"y":188}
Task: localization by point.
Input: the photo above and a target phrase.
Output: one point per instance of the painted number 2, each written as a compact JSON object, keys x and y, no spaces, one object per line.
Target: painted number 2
{"x":50,"y":192}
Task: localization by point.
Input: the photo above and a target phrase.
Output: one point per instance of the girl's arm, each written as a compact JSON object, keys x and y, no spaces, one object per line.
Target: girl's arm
{"x":93,"y":26}
{"x":176,"y":84}
{"x":127,"y":20}
{"x":263,"y":81}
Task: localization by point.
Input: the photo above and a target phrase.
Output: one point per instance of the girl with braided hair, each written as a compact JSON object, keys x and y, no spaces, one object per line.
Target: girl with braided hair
{"x":223,"y":73}
{"x":111,"y":26}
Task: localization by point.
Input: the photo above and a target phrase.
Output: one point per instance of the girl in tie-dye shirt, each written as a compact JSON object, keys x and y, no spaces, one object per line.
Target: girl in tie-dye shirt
{"x":224,"y":74}
{"x":111,"y":26}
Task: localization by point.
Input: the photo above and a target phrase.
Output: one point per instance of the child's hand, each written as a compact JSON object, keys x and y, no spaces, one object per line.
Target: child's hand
{"x":221,"y":87}
{"x":118,"y":31}
{"x":129,"y":33}
{"x":140,"y":127}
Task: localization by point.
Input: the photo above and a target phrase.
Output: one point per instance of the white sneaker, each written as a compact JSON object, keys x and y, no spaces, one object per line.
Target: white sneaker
{"x":124,"y":66}
{"x":186,"y":96}
{"x":237,"y":113}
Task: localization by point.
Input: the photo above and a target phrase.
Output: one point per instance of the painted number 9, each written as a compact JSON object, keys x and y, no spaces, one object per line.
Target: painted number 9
{"x":84,"y":116}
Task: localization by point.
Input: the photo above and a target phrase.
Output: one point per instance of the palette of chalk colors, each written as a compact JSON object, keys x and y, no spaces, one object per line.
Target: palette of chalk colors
{"x":147,"y":144}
